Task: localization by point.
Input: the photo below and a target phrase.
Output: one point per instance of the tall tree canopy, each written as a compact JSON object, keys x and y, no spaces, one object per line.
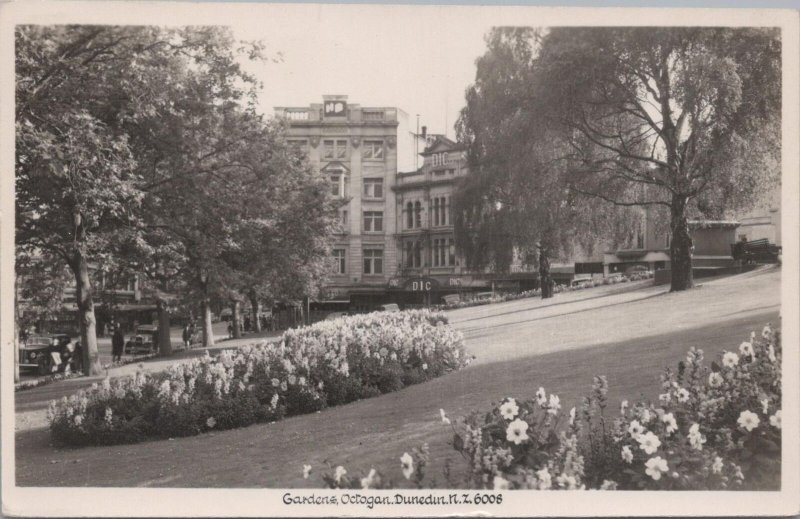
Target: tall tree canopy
{"x":683,"y":118}
{"x":139,"y":147}
{"x":515,"y":202}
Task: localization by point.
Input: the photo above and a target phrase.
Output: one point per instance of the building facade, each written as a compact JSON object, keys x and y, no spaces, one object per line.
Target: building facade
{"x":359,"y":150}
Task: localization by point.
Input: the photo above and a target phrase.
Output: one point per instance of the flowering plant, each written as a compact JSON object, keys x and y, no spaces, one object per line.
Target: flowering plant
{"x":329,"y":363}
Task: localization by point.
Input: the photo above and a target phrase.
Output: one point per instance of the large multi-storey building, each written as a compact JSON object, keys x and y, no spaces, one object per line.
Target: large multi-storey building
{"x":359,"y":149}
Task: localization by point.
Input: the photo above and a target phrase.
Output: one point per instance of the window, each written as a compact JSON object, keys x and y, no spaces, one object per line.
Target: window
{"x":409,"y":215}
{"x":372,"y":150}
{"x":334,"y":149}
{"x":298,"y":145}
{"x":436,"y":252}
{"x":339,"y":259}
{"x":373,"y":221}
{"x":373,"y":261}
{"x":435,"y":212}
{"x":440,"y":252}
{"x":336,"y":186}
{"x":373,"y":188}
{"x":409,"y":252}
{"x":417,"y":214}
{"x":418,"y":254}
{"x":451,"y":260}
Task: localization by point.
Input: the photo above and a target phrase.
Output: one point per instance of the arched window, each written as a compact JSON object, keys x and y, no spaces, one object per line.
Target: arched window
{"x":409,"y":215}
{"x":409,"y":262}
{"x":418,"y":253}
{"x":418,"y":214}
{"x":436,"y":211}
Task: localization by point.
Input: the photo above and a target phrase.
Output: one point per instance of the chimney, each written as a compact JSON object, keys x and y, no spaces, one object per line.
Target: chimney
{"x":424,"y":131}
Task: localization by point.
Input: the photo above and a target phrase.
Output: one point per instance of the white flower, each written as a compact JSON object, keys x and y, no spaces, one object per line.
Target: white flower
{"x":655,"y":467}
{"x":771,"y":353}
{"x":696,"y":439}
{"x":274,"y":401}
{"x":608,"y":485}
{"x":645,"y":416}
{"x":367,"y":481}
{"x":211,"y":422}
{"x":627,"y":455}
{"x":715,"y":379}
{"x":306,"y":471}
{"x":78,"y":419}
{"x":746,"y":348}
{"x":775,"y":420}
{"x":516,"y":431}
{"x":500,"y":483}
{"x":635,"y":428}
{"x":748,"y":420}
{"x":424,"y":366}
{"x":672,"y":425}
{"x":445,"y":419}
{"x":683,"y":395}
{"x":766,"y":332}
{"x":716,"y":467}
{"x":765,"y":405}
{"x":292,"y":380}
{"x":509,"y":409}
{"x":407,"y":463}
{"x":623,"y":406}
{"x":338,"y":473}
{"x":545,"y":480}
{"x":284,"y":386}
{"x":276,"y":382}
{"x":572,"y":416}
{"x":541,"y":397}
{"x":109,"y":415}
{"x":648,"y":442}
{"x":730,"y":359}
{"x":664,"y":398}
{"x":555,"y":404}
{"x":568,"y":482}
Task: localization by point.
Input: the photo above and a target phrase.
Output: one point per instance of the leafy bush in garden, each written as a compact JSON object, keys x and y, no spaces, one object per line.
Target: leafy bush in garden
{"x":714,"y":427}
{"x":329,"y":363}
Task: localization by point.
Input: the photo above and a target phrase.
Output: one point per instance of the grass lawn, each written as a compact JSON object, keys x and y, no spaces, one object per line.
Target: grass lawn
{"x":377,"y":431}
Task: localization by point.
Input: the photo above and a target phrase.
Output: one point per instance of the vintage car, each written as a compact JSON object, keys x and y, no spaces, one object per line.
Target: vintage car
{"x":144,"y":340}
{"x":50,"y":354}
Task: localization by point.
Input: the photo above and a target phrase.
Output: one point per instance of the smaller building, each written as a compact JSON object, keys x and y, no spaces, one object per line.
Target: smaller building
{"x":712,"y":241}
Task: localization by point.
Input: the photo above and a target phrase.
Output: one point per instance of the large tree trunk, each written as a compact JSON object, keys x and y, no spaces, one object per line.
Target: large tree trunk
{"x":545,"y":280}
{"x":237,"y":319}
{"x":680,"y":247}
{"x":256,"y":306}
{"x":208,"y":332}
{"x":164,"y":339}
{"x":86,"y":318}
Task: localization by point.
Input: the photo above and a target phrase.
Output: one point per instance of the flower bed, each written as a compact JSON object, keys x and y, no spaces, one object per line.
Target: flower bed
{"x":329,"y":363}
{"x":714,"y":427}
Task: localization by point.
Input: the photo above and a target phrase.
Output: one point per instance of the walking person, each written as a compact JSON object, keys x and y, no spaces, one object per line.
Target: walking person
{"x":187,"y":337}
{"x":117,"y":344}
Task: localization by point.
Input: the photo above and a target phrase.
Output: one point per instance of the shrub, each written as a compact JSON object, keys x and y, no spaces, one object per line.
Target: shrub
{"x":714,"y":427}
{"x":329,"y":363}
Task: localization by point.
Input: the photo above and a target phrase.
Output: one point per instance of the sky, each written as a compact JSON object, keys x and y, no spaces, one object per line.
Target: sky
{"x":420,"y":64}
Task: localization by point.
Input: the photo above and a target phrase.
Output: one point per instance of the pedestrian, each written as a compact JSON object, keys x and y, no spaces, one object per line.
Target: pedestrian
{"x":187,"y":337}
{"x":117,"y":345}
{"x":247,"y":324}
{"x":230,"y":330}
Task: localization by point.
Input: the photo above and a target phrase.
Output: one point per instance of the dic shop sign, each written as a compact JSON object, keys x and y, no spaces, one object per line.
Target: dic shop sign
{"x":421,"y":285}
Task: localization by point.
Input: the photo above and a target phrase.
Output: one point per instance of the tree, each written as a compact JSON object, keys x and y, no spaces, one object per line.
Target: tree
{"x":85,"y":98}
{"x":683,"y":118}
{"x":515,"y":201}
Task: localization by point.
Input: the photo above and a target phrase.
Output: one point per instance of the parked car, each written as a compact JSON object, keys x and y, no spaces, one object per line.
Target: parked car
{"x":334,"y":315}
{"x":390,"y":307}
{"x":50,"y":354}
{"x":144,"y":340}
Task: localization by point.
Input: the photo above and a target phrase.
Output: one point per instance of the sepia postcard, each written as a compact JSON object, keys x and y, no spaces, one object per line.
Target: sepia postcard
{"x":300,"y":260}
